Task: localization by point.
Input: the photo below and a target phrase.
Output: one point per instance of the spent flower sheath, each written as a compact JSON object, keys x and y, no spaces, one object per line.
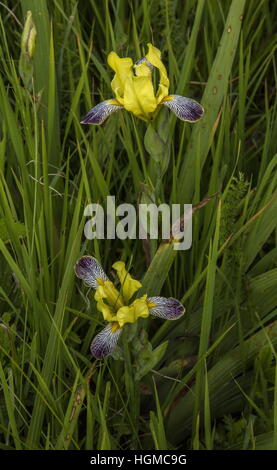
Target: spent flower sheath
{"x":134,"y":91}
{"x":117,"y":306}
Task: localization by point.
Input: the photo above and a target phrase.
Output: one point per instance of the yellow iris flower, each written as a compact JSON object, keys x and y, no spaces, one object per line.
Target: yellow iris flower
{"x":117,"y":306}
{"x":113,"y":304}
{"x":134,"y":91}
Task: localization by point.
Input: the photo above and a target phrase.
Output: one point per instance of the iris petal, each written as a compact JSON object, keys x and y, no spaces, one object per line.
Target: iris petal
{"x":99,"y":113}
{"x":123,"y":68}
{"x":166,"y":308}
{"x":129,"y":285}
{"x":106,"y":341}
{"x":184,"y":108}
{"x":139,"y":97}
{"x":106,"y":290}
{"x":90,"y":271}
{"x":154,"y":57}
{"x":138,"y":309}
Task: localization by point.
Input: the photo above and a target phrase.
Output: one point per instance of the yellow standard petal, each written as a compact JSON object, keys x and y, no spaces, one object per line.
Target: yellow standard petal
{"x":143,"y":70}
{"x":107,"y":291}
{"x":154,"y":57}
{"x":107,"y":312}
{"x":129,"y":285}
{"x":139,"y":97}
{"x":123,"y":68}
{"x":125,"y":315}
{"x":131,"y":314}
{"x":141,"y":307}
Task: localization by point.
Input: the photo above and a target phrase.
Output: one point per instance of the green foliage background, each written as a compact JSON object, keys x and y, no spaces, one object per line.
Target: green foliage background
{"x":207,"y":381}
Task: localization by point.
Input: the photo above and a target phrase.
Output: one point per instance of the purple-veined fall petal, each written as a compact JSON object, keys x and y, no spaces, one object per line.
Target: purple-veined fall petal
{"x":166,"y":308}
{"x":99,"y":113}
{"x":106,"y":341}
{"x":185,"y":109}
{"x":90,"y":270}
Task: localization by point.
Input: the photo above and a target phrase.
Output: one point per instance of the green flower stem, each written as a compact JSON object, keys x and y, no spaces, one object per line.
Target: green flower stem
{"x":157,"y":146}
